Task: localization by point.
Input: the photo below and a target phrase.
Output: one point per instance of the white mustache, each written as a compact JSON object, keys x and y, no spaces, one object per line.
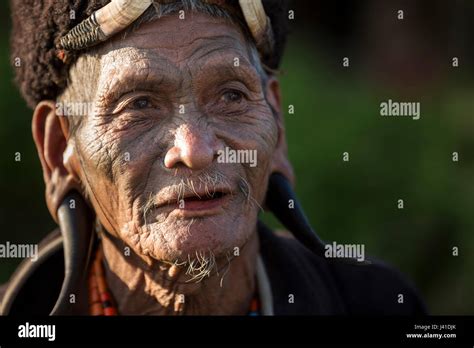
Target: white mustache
{"x":203,"y":185}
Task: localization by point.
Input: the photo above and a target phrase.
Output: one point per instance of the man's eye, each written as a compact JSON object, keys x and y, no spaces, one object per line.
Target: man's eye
{"x":141,"y":103}
{"x":232,"y":96}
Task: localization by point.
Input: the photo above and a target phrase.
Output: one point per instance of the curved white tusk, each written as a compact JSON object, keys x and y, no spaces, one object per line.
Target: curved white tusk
{"x":258,"y":23}
{"x":255,"y":17}
{"x":119,"y":14}
{"x":103,"y":23}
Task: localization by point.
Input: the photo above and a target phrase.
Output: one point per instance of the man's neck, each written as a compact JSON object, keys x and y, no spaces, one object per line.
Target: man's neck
{"x":143,"y":286}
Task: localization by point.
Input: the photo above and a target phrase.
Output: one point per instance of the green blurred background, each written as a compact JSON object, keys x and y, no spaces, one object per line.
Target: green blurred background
{"x":336,"y":111}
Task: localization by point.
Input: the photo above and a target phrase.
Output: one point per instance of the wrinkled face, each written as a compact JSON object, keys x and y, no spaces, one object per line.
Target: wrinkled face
{"x":177,"y":154}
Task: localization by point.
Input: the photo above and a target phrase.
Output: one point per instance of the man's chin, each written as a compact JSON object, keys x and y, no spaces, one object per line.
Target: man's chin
{"x":187,"y":238}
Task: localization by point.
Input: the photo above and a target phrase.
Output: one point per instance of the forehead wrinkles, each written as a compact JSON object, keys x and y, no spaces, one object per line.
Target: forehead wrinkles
{"x":122,"y":56}
{"x":196,"y":49}
{"x":204,"y":47}
{"x":178,"y":41}
{"x":114,"y":63}
{"x":127,"y":67}
{"x":141,"y":63}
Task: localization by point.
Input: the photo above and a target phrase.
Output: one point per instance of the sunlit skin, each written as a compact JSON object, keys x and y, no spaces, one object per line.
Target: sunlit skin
{"x":168,"y":98}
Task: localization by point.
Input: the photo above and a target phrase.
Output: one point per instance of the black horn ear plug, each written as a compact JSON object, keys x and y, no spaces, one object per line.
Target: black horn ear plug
{"x":75,"y":222}
{"x":279,"y":196}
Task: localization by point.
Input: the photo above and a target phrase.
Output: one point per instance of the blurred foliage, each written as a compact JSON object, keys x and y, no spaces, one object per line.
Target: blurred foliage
{"x":336,"y":111}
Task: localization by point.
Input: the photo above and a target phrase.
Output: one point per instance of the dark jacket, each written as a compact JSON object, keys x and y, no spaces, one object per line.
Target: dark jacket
{"x":318,"y":287}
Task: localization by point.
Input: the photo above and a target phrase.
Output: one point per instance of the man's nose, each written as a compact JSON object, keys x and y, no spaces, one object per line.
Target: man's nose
{"x":193,"y":147}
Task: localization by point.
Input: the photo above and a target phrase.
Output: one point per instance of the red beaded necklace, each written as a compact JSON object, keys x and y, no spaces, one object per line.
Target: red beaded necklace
{"x":100,"y":299}
{"x":101,"y":302}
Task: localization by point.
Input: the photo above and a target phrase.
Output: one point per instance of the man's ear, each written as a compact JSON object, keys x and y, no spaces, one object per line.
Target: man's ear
{"x":280,"y":161}
{"x":51,"y":134}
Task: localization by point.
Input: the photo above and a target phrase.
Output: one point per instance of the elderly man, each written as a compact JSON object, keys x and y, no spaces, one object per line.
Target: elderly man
{"x":160,"y":133}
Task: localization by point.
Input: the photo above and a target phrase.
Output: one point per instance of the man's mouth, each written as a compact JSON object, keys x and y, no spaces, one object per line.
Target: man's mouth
{"x":196,"y":203}
{"x":202,"y":202}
